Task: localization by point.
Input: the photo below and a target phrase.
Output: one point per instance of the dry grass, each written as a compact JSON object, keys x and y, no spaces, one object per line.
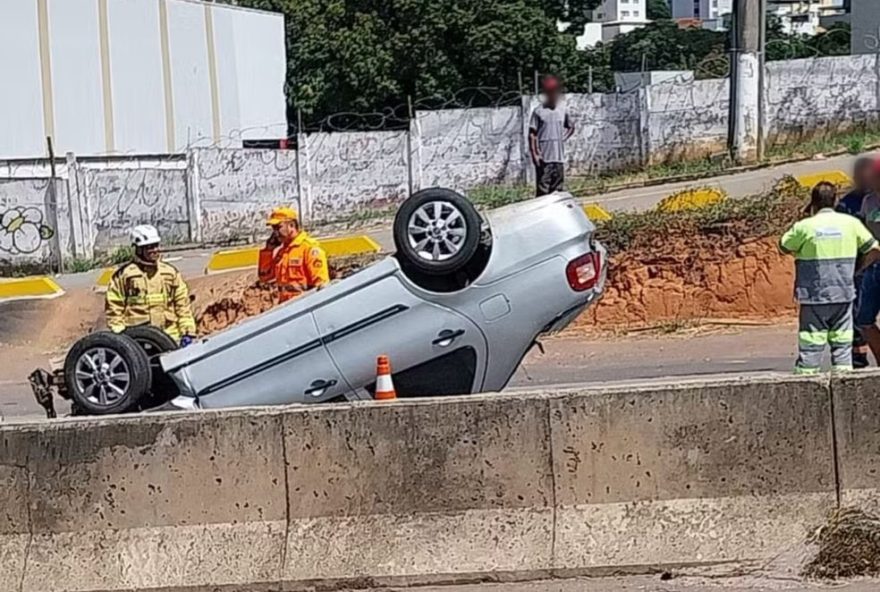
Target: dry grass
{"x":849,"y":546}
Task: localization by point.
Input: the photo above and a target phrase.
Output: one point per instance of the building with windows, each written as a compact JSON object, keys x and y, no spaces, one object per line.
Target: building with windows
{"x":808,"y":17}
{"x":613,"y":18}
{"x":710,"y":12}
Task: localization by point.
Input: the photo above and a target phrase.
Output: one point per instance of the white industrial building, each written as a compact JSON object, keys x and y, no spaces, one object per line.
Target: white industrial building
{"x":138,"y":76}
{"x":613,"y":18}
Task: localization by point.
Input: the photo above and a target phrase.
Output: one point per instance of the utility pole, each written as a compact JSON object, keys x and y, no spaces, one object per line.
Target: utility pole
{"x":745,"y":80}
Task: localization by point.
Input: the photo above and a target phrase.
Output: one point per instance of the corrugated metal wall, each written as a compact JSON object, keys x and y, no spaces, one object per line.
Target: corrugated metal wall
{"x":137,"y":76}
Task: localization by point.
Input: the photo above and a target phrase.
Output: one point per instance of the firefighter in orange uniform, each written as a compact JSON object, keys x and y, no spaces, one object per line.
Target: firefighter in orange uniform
{"x":291,"y":259}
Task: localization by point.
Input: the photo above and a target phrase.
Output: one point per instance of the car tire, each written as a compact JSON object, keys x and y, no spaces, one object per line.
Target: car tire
{"x":155,"y":342}
{"x":437,"y":231}
{"x":107,"y":373}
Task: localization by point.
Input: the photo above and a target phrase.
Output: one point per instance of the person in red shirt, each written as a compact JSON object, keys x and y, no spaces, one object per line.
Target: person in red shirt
{"x":291,"y":260}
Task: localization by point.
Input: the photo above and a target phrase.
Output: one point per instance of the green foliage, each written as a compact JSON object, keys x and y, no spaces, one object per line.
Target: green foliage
{"x":855,"y":145}
{"x":366,"y":55}
{"x":755,"y":216}
{"x":494,"y":196}
{"x":658,"y":10}
{"x":118,"y":256}
{"x":663,"y":45}
{"x":783,"y":46}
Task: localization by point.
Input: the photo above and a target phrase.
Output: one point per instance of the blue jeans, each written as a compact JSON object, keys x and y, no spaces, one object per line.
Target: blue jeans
{"x":868,"y":299}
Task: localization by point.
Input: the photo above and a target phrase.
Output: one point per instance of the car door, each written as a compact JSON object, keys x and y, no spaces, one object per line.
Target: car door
{"x":284,"y":362}
{"x":387,"y":318}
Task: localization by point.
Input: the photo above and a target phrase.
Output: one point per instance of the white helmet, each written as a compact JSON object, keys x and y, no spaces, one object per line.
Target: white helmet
{"x":144,"y":235}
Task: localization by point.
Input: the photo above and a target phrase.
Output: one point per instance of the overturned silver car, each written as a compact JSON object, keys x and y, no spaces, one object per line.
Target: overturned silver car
{"x":456,"y":309}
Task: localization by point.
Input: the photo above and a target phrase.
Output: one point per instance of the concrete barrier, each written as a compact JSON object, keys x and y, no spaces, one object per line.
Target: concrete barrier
{"x":141,"y":503}
{"x":857,"y":422}
{"x":417,"y":491}
{"x":706,"y":472}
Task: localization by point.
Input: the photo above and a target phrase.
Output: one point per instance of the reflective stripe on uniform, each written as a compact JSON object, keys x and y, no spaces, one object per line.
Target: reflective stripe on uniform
{"x":826,"y":246}
{"x":817,"y":338}
{"x":800,"y":370}
{"x":149,"y":300}
{"x":841,"y":336}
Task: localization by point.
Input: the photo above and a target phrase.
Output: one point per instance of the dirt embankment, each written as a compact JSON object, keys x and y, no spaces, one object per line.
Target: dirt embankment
{"x":751,"y":281}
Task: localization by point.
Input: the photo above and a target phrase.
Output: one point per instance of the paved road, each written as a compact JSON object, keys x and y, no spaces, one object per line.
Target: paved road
{"x":578,"y":361}
{"x":655,"y":584}
{"x":736,"y":185}
{"x":572,"y":361}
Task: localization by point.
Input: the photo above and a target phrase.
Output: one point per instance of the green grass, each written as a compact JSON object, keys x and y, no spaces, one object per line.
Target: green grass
{"x":756,"y":216}
{"x":495,"y":196}
{"x":853,"y":142}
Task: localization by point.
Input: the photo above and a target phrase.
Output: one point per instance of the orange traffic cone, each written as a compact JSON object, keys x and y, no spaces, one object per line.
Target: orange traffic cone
{"x":384,"y":385}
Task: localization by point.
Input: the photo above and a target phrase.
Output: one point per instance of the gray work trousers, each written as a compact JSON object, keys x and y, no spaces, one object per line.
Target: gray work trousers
{"x":823,"y":325}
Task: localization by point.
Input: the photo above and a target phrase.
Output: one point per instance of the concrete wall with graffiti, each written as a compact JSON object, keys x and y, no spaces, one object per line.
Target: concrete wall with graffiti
{"x":351,"y":174}
{"x":820,"y":94}
{"x":222,"y":195}
{"x":29,"y":220}
{"x":463,"y":148}
{"x":119,"y":198}
{"x":687,"y":119}
{"x":237,"y":188}
{"x":607,"y":133}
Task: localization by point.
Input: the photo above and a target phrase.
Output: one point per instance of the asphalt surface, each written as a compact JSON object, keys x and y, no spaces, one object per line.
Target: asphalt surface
{"x":655,"y":584}
{"x":571,"y":361}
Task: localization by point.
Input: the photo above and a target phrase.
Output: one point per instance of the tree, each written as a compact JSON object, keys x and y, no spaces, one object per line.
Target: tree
{"x":662,"y":45}
{"x":658,"y":10}
{"x":370,"y":55}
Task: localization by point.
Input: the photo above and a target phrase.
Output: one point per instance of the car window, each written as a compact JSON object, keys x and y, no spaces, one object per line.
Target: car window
{"x":449,"y":374}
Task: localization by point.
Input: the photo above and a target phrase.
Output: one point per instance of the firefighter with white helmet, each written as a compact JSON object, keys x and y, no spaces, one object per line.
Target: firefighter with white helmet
{"x":147,"y":290}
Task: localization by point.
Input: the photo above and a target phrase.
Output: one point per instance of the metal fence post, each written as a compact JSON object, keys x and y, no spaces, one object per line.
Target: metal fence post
{"x":526,"y":174}
{"x":76,"y":212}
{"x":193,"y":199}
{"x":409,"y":150}
{"x":644,"y":127}
{"x":52,"y":209}
{"x":303,"y":190}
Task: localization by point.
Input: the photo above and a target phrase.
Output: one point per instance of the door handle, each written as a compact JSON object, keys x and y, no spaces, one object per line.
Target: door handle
{"x":317,"y":388}
{"x":447,"y":336}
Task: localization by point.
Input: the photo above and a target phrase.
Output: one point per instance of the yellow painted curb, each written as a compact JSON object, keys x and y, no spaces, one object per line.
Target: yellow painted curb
{"x":335,"y":247}
{"x":839,"y":178}
{"x":25,"y":288}
{"x":691,"y":199}
{"x":596,"y":212}
{"x":104,"y":279}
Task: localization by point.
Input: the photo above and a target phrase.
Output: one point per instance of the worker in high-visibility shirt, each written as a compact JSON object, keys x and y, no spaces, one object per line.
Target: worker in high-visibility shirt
{"x":291,"y":260}
{"x":149,"y":291}
{"x":829,"y":247}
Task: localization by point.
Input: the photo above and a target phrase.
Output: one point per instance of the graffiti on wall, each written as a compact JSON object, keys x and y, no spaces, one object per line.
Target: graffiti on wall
{"x":807,"y":96}
{"x":355,"y":172}
{"x":463,"y":148}
{"x":121,"y":198}
{"x":239,"y":187}
{"x":28,"y":231}
{"x":22,"y":231}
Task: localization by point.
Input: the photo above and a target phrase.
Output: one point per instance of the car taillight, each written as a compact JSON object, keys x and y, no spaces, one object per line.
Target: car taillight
{"x":583,"y":273}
